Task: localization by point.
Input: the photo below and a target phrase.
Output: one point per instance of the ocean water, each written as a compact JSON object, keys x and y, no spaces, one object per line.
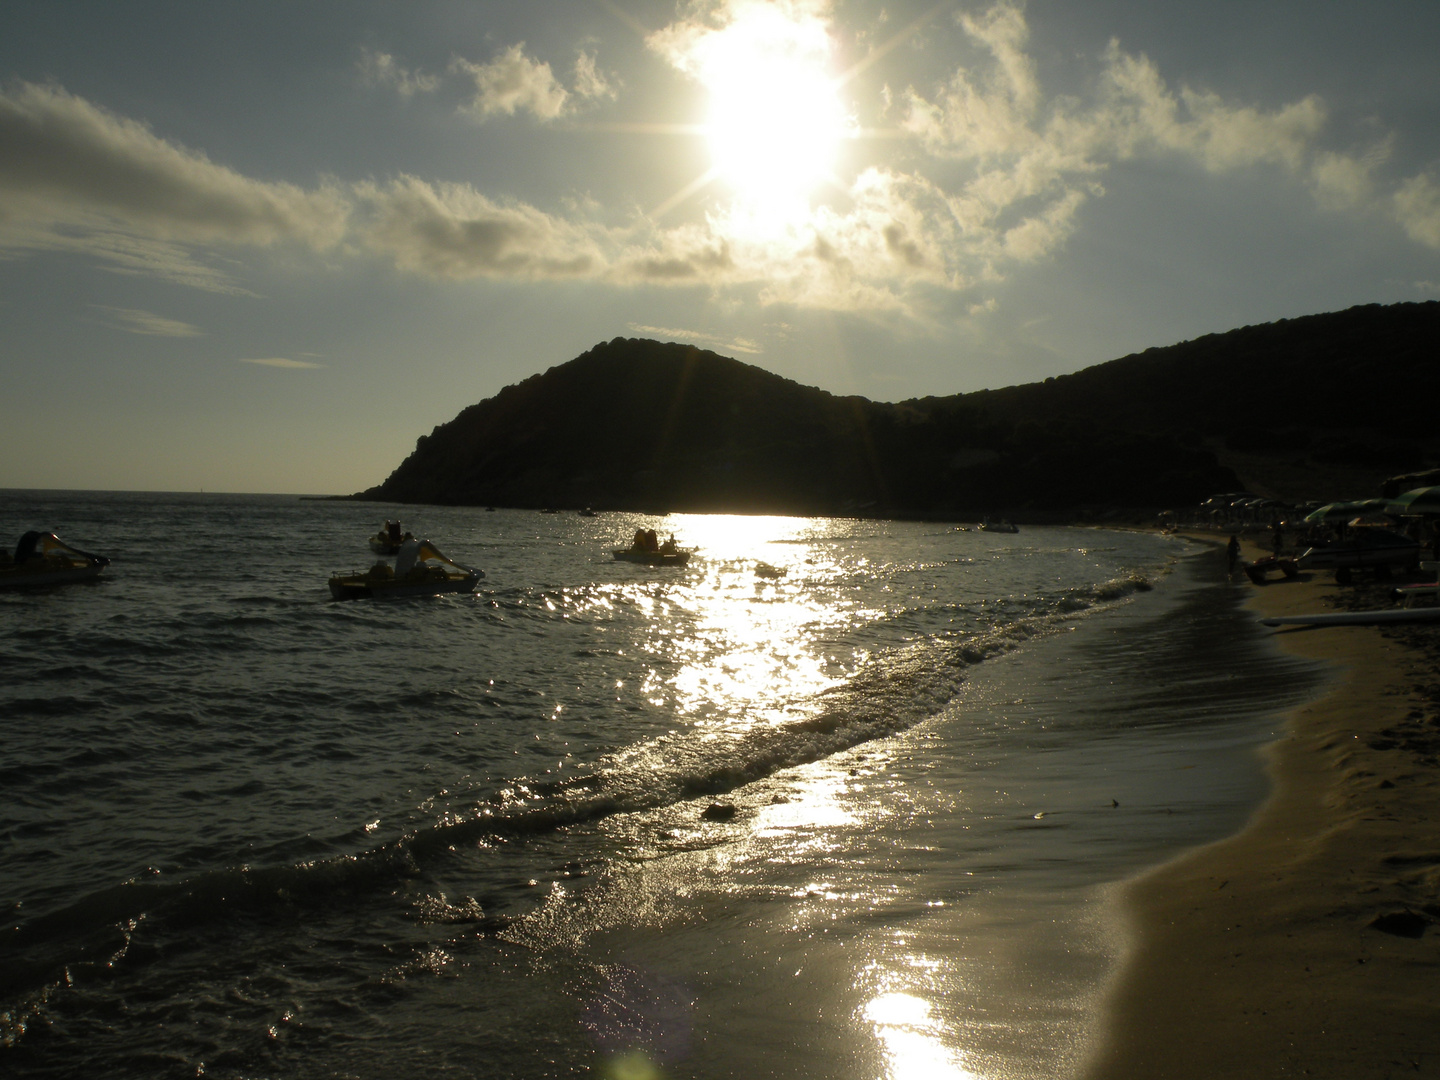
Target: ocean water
{"x":839,"y":799}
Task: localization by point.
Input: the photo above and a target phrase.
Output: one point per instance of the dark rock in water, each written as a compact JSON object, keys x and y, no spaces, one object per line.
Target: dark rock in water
{"x":718,"y":811}
{"x":1404,"y":923}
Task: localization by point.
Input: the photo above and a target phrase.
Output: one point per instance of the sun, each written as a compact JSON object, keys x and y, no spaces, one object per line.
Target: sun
{"x":775,"y":121}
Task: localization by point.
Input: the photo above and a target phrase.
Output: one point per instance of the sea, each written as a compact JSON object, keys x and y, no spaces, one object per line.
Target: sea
{"x":839,"y":798}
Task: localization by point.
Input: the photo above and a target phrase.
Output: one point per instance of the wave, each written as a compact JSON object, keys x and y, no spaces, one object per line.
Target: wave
{"x":897,"y":689}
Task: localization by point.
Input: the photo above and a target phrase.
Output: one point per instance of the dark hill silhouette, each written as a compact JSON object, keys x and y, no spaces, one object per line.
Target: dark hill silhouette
{"x":635,"y":424}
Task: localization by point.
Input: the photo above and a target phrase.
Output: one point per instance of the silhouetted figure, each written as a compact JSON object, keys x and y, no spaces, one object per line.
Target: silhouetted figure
{"x":1232,"y":552}
{"x":1277,"y":538}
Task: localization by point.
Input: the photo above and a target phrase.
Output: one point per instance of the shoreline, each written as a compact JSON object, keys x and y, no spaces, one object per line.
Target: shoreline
{"x":1308,"y":943}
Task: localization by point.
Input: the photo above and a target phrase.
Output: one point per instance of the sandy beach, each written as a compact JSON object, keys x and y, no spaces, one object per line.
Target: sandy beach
{"x":1309,"y":943}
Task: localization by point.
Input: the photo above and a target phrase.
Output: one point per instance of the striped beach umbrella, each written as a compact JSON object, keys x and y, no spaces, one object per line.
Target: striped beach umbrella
{"x":1415,"y":502}
{"x":1343,"y":511}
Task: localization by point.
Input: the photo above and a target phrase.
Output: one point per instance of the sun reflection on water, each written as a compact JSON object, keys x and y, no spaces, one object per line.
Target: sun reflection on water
{"x":911,"y":1039}
{"x":755,"y":615}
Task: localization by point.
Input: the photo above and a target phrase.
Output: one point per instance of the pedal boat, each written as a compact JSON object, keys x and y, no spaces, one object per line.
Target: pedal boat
{"x":420,"y":570}
{"x":652,"y":558}
{"x":45,"y":559}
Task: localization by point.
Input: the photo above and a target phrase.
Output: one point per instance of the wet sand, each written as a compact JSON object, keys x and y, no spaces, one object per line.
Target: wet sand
{"x":1309,"y":943}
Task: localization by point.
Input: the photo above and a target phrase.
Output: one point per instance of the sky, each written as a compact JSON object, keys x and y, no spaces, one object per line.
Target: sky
{"x":263,"y":247}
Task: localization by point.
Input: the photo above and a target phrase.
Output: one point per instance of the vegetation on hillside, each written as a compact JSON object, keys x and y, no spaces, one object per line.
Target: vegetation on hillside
{"x":636,"y":424}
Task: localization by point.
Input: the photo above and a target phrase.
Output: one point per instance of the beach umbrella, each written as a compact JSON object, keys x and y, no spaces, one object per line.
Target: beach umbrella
{"x":1425,"y":500}
{"x":1342,"y":511}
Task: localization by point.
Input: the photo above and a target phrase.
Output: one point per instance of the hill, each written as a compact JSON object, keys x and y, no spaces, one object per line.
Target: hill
{"x":1281,"y":408}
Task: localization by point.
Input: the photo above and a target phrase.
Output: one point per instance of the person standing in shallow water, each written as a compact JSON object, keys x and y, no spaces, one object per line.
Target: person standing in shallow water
{"x":1232,"y":552}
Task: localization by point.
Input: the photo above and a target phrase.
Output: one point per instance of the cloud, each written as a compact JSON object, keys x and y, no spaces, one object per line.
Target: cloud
{"x":997,"y":175}
{"x":135,"y":321}
{"x":1034,"y":163}
{"x":694,"y":42}
{"x":453,"y":231}
{"x":75,"y":177}
{"x":699,"y":337}
{"x":1417,"y":208}
{"x":280,"y":362}
{"x":591,"y":83}
{"x":512,"y":83}
{"x":380,"y":69}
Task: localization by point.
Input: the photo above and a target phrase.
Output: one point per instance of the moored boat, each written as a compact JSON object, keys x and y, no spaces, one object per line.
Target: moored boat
{"x":45,"y":559}
{"x":420,"y":569}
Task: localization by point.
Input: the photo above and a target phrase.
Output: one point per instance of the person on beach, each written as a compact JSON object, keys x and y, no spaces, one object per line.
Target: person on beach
{"x":1232,"y":552}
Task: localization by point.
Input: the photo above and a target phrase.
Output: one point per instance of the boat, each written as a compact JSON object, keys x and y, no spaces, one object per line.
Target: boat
{"x":1257,"y":570}
{"x":1367,"y":547}
{"x":999,"y":526}
{"x":420,"y":569}
{"x":388,"y":540}
{"x":45,"y":559}
{"x":647,"y":550}
{"x":653,"y":558}
{"x":1356,"y":618}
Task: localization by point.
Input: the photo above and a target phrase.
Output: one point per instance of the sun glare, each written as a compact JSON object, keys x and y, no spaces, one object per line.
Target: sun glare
{"x":775,"y":121}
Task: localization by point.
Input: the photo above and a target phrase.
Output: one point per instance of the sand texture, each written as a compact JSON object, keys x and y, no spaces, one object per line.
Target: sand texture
{"x":1309,"y":943}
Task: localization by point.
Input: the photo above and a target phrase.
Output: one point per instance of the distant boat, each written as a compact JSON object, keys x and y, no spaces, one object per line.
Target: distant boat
{"x":587,"y":512}
{"x":999,"y":526}
{"x":45,"y":559}
{"x":388,"y":540}
{"x":420,"y":570}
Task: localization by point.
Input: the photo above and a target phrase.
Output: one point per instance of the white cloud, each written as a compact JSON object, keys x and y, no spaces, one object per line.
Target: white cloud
{"x":699,"y":337}
{"x":1341,"y":181}
{"x":1417,"y":208}
{"x":381,"y":69}
{"x":280,"y":362}
{"x":512,"y":83}
{"x":1035,"y":162}
{"x":136,"y":321}
{"x":75,"y":177}
{"x":591,"y":83}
